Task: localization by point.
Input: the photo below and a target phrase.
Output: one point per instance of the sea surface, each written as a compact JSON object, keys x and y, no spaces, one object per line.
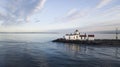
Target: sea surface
{"x":37,"y":50}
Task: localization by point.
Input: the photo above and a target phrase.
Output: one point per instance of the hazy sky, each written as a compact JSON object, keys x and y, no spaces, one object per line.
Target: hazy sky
{"x":45,"y":15}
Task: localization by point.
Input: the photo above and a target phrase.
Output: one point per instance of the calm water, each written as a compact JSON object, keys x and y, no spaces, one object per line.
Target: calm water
{"x":37,"y":50}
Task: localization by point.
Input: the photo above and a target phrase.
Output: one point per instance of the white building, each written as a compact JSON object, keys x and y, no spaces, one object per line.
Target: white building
{"x":91,"y":37}
{"x":77,"y":36}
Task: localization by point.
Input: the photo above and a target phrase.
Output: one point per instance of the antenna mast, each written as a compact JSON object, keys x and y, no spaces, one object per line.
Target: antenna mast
{"x":116,"y":33}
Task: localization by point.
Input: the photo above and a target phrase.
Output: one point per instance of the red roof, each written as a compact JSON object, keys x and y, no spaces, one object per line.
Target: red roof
{"x":83,"y":36}
{"x":67,"y":34}
{"x":91,"y":35}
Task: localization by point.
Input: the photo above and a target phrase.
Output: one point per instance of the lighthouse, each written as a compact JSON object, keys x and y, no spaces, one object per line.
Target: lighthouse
{"x":77,"y":36}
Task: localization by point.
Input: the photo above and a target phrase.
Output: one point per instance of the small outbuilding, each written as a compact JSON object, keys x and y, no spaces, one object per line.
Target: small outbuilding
{"x":91,"y":37}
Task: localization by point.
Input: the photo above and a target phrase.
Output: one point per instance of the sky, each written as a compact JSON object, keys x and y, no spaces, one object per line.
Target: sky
{"x":49,"y":15}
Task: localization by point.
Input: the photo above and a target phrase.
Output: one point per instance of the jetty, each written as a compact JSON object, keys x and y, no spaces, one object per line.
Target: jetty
{"x":78,"y":38}
{"x":95,"y":42}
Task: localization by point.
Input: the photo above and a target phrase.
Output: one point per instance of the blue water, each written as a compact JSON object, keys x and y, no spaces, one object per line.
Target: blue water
{"x":37,"y":50}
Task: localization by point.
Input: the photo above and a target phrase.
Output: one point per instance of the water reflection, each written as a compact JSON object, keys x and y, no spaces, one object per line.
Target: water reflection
{"x":89,"y":56}
{"x":31,"y":51}
{"x":100,"y":52}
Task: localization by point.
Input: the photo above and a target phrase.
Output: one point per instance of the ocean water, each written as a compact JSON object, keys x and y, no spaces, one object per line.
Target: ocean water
{"x":37,"y":50}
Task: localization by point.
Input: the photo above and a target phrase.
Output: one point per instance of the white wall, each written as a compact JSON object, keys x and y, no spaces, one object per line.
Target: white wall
{"x":72,"y":37}
{"x":77,"y":37}
{"x":66,"y":37}
{"x":91,"y":38}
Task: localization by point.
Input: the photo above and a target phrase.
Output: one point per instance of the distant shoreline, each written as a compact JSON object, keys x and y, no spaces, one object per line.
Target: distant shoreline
{"x":29,"y":33}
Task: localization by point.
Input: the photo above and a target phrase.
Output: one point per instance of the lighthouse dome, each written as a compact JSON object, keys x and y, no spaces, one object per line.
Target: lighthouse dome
{"x":76,"y":32}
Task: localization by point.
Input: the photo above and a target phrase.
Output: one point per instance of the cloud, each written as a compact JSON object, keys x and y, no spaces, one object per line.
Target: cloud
{"x":17,"y":11}
{"x":111,"y":13}
{"x":40,"y":5}
{"x":103,"y":3}
{"x":73,"y":15}
{"x":72,"y":11}
{"x":91,"y":14}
